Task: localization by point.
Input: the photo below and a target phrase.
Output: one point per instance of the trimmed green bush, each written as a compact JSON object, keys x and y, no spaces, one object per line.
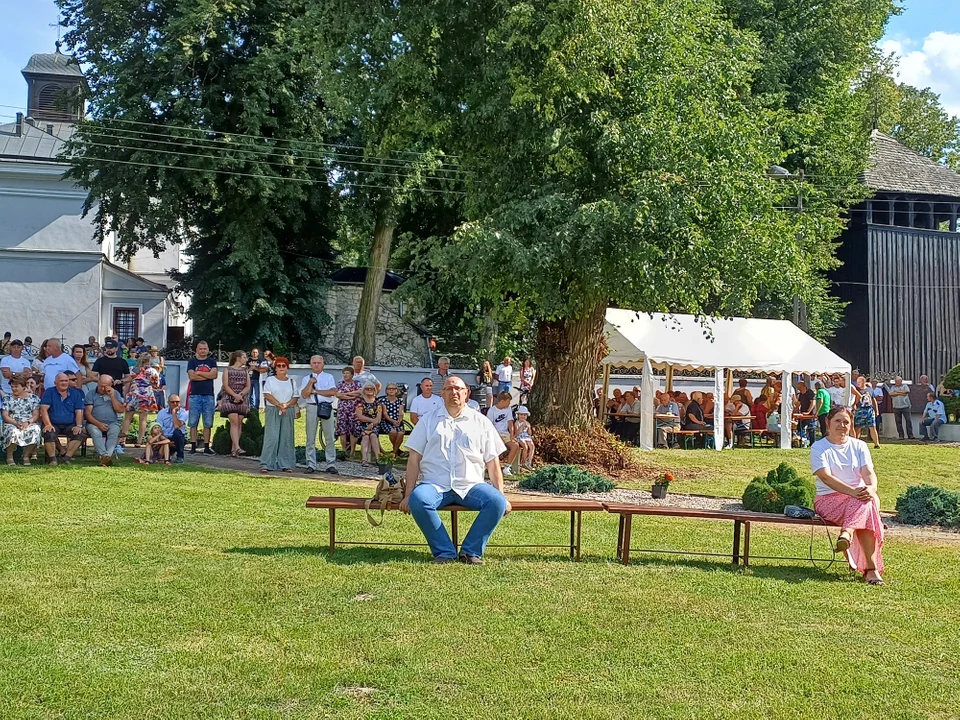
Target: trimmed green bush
{"x":952,"y":379}
{"x":251,"y":436}
{"x":929,"y":505}
{"x":565,"y":479}
{"x":781,"y":487}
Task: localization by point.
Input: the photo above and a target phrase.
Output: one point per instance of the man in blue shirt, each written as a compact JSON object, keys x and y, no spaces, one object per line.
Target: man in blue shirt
{"x":202,"y":371}
{"x":934,"y":415}
{"x":61,"y":412}
{"x":173,"y":420}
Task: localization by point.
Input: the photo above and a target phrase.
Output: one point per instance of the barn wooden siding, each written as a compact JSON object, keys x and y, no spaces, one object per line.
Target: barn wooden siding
{"x":914,"y":295}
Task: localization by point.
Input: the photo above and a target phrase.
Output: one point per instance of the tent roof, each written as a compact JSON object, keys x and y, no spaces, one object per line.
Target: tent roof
{"x":739,"y":343}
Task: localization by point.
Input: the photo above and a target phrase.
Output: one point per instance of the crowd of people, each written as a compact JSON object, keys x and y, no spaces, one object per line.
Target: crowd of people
{"x":96,"y":391}
{"x":812,"y":400}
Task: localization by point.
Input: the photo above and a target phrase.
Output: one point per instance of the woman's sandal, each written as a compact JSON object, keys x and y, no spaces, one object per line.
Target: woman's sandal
{"x":166,"y":462}
{"x":843,"y":543}
{"x":264,"y":471}
{"x":287,"y":470}
{"x":10,"y":462}
{"x":872,"y":581}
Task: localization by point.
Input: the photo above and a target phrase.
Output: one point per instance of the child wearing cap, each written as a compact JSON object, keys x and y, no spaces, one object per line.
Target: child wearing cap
{"x":523,"y":429}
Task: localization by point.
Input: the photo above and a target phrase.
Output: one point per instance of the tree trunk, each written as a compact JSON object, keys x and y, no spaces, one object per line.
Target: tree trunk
{"x":365,"y":332}
{"x":568,"y":353}
{"x":488,"y":335}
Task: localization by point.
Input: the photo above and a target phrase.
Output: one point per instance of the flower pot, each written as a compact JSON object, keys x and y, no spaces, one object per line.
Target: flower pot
{"x":384,"y":467}
{"x":659,"y":492}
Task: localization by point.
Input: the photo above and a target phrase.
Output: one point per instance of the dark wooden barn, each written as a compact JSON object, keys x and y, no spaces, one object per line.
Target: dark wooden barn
{"x":901,"y":268}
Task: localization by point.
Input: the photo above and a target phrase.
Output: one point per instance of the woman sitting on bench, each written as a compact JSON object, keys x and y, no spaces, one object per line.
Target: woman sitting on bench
{"x":847,"y":494}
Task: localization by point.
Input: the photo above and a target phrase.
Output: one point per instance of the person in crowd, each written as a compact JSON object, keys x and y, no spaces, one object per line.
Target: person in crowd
{"x":501,"y":415}
{"x":524,"y":437}
{"x":173,"y":422}
{"x":615,"y":401}
{"x":528,"y":376}
{"x":33,"y":387}
{"x":348,"y":392}
{"x":84,"y":374}
{"x":362,"y":375}
{"x":424,"y":403}
{"x":708,"y":403}
{"x":934,"y":415}
{"x":836,"y":391}
{"x":734,"y":410}
{"x":30,"y":351}
{"x":270,"y":359}
{"x":694,"y":417}
{"x":11,"y":365}
{"x":432,"y":444}
{"x":369,"y":415}
{"x":744,"y":393}
{"x":21,"y":417}
{"x":5,"y":343}
{"x":847,"y":494}
{"x":140,"y":347}
{"x":56,"y":361}
{"x":924,"y":383}
{"x":258,"y":368}
{"x":876,"y":389}
{"x":61,"y":412}
{"x":235,"y":401}
{"x":770,"y":388}
{"x":318,"y":390}
{"x":865,"y":410}
{"x":668,"y":421}
{"x":112,"y":365}
{"x":93,"y":349}
{"x":102,"y":410}
{"x":485,"y":381}
{"x":157,"y":446}
{"x":156,"y":360}
{"x":442,"y":373}
{"x":139,"y":399}
{"x":900,"y":397}
{"x":759,"y":411}
{"x":202,"y":371}
{"x":392,"y":413}
{"x":806,"y":404}
{"x":822,"y":404}
{"x":504,"y":373}
{"x":629,"y":416}
{"x":280,"y":403}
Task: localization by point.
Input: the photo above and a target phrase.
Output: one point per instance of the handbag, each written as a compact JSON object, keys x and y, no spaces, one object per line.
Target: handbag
{"x":325,"y":411}
{"x":799,"y":512}
{"x":299,"y":412}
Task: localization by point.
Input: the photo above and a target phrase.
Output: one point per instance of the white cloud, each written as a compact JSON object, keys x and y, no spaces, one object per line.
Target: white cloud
{"x":936,"y":64}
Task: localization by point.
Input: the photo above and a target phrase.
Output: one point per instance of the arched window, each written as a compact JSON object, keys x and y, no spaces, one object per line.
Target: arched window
{"x":51,"y":99}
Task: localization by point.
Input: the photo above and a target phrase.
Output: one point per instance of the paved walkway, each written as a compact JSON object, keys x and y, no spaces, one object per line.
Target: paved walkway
{"x":350,"y":472}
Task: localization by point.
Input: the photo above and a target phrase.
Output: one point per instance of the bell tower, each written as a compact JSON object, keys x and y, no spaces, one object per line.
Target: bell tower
{"x":55,"y":87}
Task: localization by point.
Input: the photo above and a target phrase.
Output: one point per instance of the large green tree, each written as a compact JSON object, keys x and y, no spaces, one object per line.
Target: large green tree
{"x":206,"y":128}
{"x":619,"y":155}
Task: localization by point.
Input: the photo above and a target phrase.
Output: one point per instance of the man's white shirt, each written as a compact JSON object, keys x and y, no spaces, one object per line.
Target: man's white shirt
{"x":53,"y":366}
{"x":325,"y":381}
{"x":16,"y":366}
{"x":425,"y":405}
{"x":504,"y":373}
{"x":455,"y":451}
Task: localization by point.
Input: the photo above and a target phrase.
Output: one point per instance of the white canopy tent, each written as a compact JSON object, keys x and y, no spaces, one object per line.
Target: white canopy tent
{"x":681,"y":342}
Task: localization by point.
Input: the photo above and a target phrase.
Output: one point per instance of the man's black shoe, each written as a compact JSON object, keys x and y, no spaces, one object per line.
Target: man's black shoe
{"x":332,"y":470}
{"x":443,"y":561}
{"x":470,"y":559}
{"x":309,"y":470}
{"x":208,"y":451}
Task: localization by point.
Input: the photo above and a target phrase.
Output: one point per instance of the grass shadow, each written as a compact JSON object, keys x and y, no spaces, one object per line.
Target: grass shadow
{"x":788,"y":573}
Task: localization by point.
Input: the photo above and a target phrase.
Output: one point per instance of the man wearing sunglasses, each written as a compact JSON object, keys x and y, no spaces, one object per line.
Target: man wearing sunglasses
{"x":172,"y":420}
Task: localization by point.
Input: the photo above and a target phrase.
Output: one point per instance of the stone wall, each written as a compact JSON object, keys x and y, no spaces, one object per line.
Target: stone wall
{"x":399,"y":344}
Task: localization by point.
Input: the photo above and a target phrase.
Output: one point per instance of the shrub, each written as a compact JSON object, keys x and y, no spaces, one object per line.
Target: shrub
{"x":595,"y":449}
{"x":565,"y":479}
{"x":952,"y":379}
{"x":251,"y":436}
{"x":781,"y":487}
{"x":929,"y":505}
{"x":952,"y":406}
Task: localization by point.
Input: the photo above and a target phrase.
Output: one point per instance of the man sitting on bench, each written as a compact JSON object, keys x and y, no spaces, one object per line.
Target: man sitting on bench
{"x":451,"y":446}
{"x":61,"y":410}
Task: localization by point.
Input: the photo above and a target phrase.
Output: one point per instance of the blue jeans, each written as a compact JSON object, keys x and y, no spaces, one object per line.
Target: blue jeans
{"x":201,"y":405}
{"x":504,"y":387}
{"x":934,"y":425}
{"x":490,"y":503}
{"x":255,"y":393}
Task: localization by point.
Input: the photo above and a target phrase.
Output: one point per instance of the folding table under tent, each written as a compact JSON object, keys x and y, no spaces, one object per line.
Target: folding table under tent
{"x":682,"y":342}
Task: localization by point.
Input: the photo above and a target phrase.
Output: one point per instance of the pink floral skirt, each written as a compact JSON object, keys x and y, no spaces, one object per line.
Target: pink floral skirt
{"x":853,"y":514}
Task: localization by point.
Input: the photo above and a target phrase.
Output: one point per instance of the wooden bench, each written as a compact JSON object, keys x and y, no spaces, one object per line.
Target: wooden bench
{"x":690,"y":436}
{"x":742,"y":520}
{"x":576,"y":508}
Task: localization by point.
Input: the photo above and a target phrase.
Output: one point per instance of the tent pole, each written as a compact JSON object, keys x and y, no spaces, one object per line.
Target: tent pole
{"x":786,"y":416}
{"x":669,"y":378}
{"x":603,"y":397}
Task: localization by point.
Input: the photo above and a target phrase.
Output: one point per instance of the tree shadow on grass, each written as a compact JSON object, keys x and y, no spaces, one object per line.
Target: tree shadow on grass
{"x":798,"y":572}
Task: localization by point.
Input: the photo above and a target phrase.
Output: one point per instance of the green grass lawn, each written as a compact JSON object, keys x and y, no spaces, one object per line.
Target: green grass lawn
{"x":726,"y":473}
{"x":179,"y":593}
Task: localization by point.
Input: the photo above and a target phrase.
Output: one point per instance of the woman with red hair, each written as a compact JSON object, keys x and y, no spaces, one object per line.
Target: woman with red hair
{"x":847,"y":494}
{"x":280,"y":399}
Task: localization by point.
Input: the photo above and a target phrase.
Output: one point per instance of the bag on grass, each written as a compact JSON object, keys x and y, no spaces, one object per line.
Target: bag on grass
{"x":389,"y":494}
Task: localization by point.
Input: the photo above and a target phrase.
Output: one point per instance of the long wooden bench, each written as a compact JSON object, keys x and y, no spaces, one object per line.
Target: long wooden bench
{"x":742,"y":521}
{"x":576,"y":508}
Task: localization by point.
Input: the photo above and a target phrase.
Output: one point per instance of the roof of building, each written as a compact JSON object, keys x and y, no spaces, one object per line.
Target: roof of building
{"x":896,"y":168}
{"x":55,"y":63}
{"x":358,"y":275}
{"x":34,"y":142}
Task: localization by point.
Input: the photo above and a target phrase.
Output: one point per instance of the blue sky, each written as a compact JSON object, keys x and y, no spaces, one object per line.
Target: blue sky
{"x":926,"y":37}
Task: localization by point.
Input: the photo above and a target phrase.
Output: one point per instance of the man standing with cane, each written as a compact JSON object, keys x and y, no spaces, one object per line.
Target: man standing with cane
{"x":451,"y":447}
{"x":319,"y":389}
